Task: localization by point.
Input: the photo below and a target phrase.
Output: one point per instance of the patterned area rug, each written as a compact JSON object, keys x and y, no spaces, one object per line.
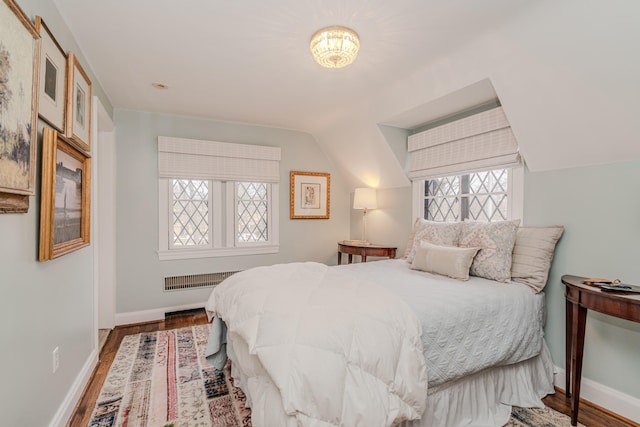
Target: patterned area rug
{"x":534,"y":417}
{"x":162,"y":379}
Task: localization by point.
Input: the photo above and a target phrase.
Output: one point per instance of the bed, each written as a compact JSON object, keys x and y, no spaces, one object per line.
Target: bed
{"x":389,"y":342}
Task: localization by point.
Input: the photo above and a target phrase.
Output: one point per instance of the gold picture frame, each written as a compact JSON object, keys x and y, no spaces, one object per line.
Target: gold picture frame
{"x":65,"y":203}
{"x":19,"y":63}
{"x":310,"y":195}
{"x":78,"y":110}
{"x":52,"y":91}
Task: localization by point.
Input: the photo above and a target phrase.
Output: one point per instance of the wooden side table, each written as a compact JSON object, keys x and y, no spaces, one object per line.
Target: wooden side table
{"x":580,"y":298}
{"x":364,"y":250}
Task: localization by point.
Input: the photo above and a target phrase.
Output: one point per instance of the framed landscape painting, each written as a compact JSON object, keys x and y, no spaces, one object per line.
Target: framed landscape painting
{"x":53,"y":78}
{"x":65,"y":201}
{"x":78,"y":109}
{"x":310,"y":195}
{"x":19,"y":62}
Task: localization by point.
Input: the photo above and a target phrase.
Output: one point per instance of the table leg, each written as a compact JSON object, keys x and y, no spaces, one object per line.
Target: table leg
{"x":579,"y":320}
{"x":350,"y":258}
{"x":339,"y":257}
{"x":364,"y":258}
{"x":569,"y":349}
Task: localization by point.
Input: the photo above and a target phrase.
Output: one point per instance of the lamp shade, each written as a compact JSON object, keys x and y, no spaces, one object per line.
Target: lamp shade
{"x":365,"y":198}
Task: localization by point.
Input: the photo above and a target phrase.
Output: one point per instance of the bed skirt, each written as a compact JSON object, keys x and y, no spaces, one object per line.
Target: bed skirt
{"x":482,"y":399}
{"x":485,"y":398}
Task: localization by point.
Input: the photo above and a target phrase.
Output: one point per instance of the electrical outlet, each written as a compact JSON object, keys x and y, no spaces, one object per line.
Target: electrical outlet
{"x":56,"y":359}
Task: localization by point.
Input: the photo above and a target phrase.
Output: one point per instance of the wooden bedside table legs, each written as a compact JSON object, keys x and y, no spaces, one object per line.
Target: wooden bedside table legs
{"x":350,"y":258}
{"x":576,"y":319}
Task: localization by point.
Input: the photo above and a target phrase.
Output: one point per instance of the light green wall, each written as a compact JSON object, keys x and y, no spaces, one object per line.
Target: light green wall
{"x":47,"y":304}
{"x":139,"y":272}
{"x":600,"y":210}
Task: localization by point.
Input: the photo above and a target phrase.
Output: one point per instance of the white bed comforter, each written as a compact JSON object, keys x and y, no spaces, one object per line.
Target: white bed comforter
{"x":466,"y":326}
{"x":330,"y":348}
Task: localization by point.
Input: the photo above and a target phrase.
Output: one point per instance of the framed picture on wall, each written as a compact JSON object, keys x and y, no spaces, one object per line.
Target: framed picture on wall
{"x":310,"y":195}
{"x":53,"y":78}
{"x":66,"y":196}
{"x":78,"y":111}
{"x":19,"y":49}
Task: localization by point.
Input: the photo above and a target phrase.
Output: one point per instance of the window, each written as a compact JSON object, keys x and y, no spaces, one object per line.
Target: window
{"x":469,"y":168}
{"x":494,"y":195}
{"x":480,"y":196}
{"x":252,"y":212}
{"x":216,"y":198}
{"x":197,"y":209}
{"x":190,"y":213}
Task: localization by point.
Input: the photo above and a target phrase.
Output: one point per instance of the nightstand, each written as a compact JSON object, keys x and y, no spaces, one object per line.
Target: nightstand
{"x":364,"y":250}
{"x":579,"y":299}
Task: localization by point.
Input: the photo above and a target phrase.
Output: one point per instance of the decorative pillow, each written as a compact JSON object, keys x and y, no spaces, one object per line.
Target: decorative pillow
{"x":438,"y":233}
{"x":445,"y":260}
{"x":417,"y":224}
{"x":496,"y":241}
{"x":533,"y":253}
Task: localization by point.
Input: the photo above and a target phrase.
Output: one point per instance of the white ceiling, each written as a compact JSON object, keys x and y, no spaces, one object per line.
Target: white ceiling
{"x":249,"y":61}
{"x":565,"y":71}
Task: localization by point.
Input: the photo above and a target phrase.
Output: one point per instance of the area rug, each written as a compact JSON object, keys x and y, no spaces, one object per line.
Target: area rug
{"x":161,"y":379}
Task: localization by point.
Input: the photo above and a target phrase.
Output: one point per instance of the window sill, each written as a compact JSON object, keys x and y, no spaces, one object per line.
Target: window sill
{"x":174,"y":254}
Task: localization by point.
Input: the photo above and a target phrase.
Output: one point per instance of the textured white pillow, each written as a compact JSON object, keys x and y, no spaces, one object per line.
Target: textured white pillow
{"x":416,"y":225}
{"x":444,"y":260}
{"x":496,"y":241}
{"x":438,"y":233}
{"x":533,"y":253}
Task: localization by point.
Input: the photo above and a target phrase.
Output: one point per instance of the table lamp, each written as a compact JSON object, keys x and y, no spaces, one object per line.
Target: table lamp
{"x":365,"y":198}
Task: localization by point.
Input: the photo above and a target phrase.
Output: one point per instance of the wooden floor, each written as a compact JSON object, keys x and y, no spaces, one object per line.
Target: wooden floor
{"x":590,"y":415}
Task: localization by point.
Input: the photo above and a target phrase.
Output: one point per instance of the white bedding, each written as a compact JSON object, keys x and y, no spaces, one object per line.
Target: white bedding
{"x":466,"y":326}
{"x":320,"y":347}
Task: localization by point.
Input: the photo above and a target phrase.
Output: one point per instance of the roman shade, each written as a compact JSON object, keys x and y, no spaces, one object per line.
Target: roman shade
{"x":482,"y":141}
{"x":195,"y":159}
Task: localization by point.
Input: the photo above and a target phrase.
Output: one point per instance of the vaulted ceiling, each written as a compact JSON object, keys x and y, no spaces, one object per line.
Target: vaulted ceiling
{"x":565,"y":71}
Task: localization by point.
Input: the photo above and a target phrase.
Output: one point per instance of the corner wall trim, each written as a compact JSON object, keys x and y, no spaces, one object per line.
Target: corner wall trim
{"x":602,"y":395}
{"x":152,"y":315}
{"x":61,"y":418}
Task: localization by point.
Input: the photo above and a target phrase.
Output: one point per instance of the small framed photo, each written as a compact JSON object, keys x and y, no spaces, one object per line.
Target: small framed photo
{"x":53,"y":78}
{"x":78,"y":109}
{"x":310,"y":195}
{"x":66,"y":196}
{"x":19,"y":50}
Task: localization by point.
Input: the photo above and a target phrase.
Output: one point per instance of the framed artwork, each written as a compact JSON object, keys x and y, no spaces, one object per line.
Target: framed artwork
{"x":53,"y":78}
{"x":78,"y":111}
{"x":19,"y":61}
{"x":66,"y":195}
{"x":310,"y":195}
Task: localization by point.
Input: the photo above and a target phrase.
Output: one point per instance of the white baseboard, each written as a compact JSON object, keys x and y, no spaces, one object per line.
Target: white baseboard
{"x":153,"y":314}
{"x":61,"y":418}
{"x":602,"y":395}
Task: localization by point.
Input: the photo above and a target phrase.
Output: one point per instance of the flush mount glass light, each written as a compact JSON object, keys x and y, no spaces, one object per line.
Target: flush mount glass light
{"x":335,"y":47}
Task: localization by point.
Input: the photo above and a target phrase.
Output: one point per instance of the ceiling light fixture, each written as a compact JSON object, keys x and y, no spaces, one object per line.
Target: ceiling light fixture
{"x":335,"y":47}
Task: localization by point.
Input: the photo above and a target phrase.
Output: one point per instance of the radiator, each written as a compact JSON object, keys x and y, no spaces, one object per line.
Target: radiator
{"x":195,"y":281}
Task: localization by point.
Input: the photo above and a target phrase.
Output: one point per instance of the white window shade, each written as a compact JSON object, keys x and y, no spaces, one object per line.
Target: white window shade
{"x":479,"y":142}
{"x":222,"y":161}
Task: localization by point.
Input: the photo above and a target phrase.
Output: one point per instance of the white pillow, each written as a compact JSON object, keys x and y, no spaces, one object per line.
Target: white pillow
{"x":444,"y":260}
{"x":417,"y":224}
{"x":533,"y":253}
{"x":438,"y":233}
{"x":496,"y":241}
